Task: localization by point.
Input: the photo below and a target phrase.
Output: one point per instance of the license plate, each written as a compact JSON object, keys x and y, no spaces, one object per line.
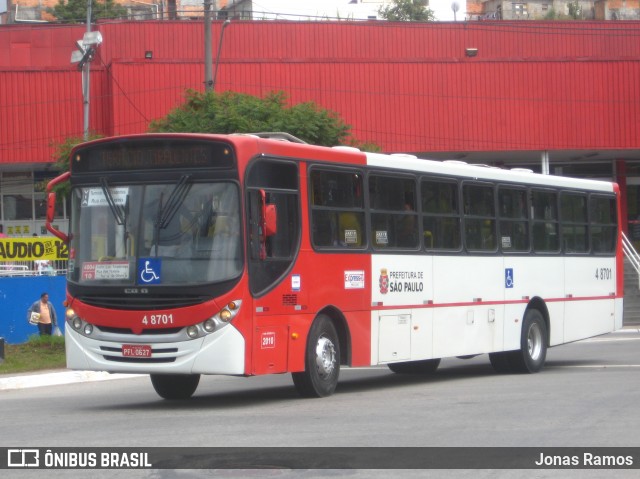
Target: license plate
{"x":136,"y":351}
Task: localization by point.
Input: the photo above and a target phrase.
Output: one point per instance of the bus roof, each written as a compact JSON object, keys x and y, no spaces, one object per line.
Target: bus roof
{"x":280,"y":146}
{"x":482,"y":172}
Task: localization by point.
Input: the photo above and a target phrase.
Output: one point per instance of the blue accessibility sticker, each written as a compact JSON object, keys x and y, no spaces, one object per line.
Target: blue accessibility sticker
{"x":508,"y":278}
{"x":149,"y":270}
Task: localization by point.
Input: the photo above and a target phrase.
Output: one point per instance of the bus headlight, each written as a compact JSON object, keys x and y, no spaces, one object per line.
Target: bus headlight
{"x":77,"y":323}
{"x":218,"y":320}
{"x":88,"y":329}
{"x":228,"y":312}
{"x":192,"y":331}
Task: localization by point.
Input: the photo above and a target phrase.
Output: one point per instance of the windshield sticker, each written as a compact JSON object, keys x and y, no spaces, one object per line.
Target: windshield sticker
{"x":95,"y":196}
{"x":351,"y":236}
{"x":109,"y":271}
{"x":149,"y":270}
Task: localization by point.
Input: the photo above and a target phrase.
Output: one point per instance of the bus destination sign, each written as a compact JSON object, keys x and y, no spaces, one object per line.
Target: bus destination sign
{"x":152,"y":155}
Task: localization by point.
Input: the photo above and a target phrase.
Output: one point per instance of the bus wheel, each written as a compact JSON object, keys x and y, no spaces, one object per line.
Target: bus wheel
{"x":322,"y":361}
{"x":175,"y":386}
{"x":533,"y":344}
{"x":427,"y":366}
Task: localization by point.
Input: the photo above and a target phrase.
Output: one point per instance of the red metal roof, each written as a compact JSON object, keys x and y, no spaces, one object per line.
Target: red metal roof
{"x":405,"y":86}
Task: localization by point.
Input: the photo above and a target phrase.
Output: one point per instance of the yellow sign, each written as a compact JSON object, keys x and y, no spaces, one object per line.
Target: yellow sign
{"x":30,"y":249}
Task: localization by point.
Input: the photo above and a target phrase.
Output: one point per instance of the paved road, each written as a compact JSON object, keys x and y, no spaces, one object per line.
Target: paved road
{"x":587,"y":396}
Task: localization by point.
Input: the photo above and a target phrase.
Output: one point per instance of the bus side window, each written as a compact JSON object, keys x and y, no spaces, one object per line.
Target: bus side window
{"x":479,"y":223}
{"x":544,"y":208}
{"x":514,"y":229}
{"x":394,"y":217}
{"x":574,"y":222}
{"x":337,"y":209}
{"x":441,"y":215}
{"x":604,"y":226}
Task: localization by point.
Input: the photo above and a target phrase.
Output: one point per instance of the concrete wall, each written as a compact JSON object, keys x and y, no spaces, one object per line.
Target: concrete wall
{"x":17,"y":294}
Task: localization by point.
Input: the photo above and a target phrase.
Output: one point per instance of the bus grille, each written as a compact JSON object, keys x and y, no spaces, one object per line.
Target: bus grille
{"x":157,"y":332}
{"x":140,"y":304}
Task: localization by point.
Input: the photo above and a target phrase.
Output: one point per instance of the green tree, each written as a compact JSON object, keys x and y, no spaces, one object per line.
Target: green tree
{"x":61,"y":154}
{"x":75,"y":11}
{"x":407,"y":11}
{"x":231,"y":112}
{"x":575,"y":10}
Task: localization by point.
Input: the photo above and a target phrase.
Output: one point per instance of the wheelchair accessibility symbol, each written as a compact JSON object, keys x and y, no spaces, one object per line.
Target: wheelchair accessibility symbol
{"x":149,"y":270}
{"x":508,"y":278}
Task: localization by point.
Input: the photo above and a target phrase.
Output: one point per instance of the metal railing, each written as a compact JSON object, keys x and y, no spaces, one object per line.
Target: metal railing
{"x":632,"y":255}
{"x":33,"y":268}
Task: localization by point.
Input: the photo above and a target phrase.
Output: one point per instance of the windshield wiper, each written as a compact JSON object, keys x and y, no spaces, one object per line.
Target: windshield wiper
{"x":119,"y":212}
{"x":175,"y":200}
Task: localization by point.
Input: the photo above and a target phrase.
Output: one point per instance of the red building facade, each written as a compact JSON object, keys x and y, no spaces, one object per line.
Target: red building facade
{"x":490,"y":92}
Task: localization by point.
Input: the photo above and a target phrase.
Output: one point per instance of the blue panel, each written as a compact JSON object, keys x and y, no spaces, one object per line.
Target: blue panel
{"x":17,"y":294}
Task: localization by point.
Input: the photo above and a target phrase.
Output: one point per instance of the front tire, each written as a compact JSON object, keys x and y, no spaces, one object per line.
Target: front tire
{"x":533,"y":344}
{"x":175,"y":386}
{"x":322,"y":361}
{"x":427,"y":366}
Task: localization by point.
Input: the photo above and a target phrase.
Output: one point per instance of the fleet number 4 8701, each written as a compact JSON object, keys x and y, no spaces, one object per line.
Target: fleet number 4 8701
{"x":603,"y":273}
{"x":157,"y":319}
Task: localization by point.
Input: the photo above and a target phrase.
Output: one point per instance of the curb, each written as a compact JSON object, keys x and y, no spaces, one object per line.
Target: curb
{"x":58,"y":378}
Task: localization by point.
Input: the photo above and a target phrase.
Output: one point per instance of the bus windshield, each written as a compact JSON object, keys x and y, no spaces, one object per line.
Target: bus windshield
{"x":155,"y":234}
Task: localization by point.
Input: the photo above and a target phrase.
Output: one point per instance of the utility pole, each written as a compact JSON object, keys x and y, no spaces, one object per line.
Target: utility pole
{"x":86,"y":70}
{"x":208,"y":54}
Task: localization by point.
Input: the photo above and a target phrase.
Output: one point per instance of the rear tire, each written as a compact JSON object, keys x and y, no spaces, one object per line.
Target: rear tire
{"x":175,"y":386}
{"x":533,"y":344}
{"x":427,"y":366}
{"x":322,"y":360}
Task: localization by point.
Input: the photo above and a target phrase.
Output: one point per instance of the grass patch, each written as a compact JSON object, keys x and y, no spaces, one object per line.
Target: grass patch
{"x":40,"y":352}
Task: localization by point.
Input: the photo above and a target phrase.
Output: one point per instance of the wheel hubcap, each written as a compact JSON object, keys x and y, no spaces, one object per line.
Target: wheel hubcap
{"x":325,"y":357}
{"x":534,"y":341}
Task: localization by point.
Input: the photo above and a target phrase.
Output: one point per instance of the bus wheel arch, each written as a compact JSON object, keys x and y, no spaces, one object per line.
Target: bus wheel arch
{"x":538,"y":303}
{"x":344,"y":335}
{"x":322,"y":360}
{"x":534,"y":342}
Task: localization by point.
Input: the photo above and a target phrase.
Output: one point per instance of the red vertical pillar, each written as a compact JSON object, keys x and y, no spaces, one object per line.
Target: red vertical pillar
{"x":621,"y":179}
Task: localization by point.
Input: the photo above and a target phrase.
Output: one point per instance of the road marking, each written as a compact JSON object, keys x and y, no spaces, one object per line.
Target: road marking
{"x":607,"y":340}
{"x":598,"y":366}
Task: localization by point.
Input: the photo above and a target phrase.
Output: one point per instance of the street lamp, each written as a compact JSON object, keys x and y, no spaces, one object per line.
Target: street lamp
{"x":455,"y":6}
{"x":215,"y":72}
{"x":83,"y":57}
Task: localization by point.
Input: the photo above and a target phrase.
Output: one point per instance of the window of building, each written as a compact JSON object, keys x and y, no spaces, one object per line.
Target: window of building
{"x":519,"y":9}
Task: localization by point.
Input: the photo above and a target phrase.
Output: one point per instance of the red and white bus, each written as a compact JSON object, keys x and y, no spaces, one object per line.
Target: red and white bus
{"x":195,"y":254}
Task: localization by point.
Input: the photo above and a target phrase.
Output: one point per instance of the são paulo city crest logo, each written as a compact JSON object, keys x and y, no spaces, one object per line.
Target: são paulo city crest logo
{"x":384,"y":281}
